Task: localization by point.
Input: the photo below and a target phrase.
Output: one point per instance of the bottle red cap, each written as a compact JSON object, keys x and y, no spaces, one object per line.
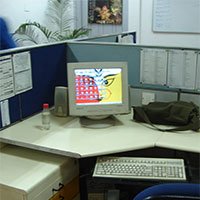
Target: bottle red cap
{"x":45,"y":105}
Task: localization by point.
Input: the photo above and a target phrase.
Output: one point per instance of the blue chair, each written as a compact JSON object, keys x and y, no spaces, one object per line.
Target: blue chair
{"x":170,"y":191}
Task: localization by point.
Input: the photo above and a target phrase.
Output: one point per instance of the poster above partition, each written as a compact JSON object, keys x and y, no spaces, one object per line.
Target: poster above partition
{"x":105,"y":11}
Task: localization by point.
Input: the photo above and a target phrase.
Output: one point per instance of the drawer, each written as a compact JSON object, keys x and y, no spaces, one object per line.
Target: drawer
{"x":69,"y":191}
{"x":31,"y":175}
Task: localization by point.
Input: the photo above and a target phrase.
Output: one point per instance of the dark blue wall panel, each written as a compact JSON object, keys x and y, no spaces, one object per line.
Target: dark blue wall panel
{"x":48,"y":71}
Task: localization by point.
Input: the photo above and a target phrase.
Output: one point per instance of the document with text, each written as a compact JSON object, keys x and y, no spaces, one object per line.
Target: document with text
{"x":6,"y":78}
{"x":22,"y":72}
{"x":153,"y":66}
{"x":198,"y":72}
{"x":182,"y":69}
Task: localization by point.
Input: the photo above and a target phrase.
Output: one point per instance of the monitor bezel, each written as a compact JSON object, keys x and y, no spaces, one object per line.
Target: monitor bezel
{"x":101,"y":109}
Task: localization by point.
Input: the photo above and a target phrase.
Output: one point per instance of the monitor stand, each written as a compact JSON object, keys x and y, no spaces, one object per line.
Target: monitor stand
{"x":97,"y":122}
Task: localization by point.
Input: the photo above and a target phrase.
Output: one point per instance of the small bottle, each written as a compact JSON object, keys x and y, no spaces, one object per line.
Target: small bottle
{"x":46,"y":117}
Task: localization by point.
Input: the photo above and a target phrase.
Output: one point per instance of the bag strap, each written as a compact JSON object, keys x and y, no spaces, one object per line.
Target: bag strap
{"x":144,"y":116}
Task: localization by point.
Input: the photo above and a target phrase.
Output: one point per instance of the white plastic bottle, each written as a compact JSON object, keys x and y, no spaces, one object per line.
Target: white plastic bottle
{"x":46,"y":117}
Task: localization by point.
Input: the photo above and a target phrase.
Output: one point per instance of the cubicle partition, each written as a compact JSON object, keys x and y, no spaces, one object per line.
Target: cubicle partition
{"x":48,"y":71}
{"x":92,"y":51}
{"x":48,"y":64}
{"x":114,"y":38}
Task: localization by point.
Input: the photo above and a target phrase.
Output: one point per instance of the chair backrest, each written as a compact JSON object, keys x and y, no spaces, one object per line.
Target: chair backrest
{"x":171,"y":197}
{"x":170,"y":191}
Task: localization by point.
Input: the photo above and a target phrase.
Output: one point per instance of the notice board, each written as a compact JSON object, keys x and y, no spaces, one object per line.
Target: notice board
{"x":176,"y":16}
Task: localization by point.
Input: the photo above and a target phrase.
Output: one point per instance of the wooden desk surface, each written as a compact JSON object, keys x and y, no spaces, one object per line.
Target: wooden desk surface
{"x":67,"y":137}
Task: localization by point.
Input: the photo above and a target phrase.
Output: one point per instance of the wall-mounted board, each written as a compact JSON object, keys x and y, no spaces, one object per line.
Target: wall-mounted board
{"x":176,"y":16}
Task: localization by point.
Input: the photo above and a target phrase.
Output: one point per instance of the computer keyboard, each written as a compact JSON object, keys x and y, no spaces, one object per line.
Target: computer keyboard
{"x":140,"y":168}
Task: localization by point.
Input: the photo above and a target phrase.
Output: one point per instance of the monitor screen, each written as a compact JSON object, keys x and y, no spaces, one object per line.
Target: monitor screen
{"x":98,"y":88}
{"x":95,"y":86}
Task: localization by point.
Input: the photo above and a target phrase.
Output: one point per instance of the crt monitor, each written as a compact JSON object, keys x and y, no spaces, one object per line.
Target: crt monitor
{"x":97,"y":90}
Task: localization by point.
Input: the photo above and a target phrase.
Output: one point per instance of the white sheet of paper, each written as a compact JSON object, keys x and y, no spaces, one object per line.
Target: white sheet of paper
{"x":153,"y":66}
{"x":198,"y":73}
{"x":5,"y":116}
{"x":6,"y":78}
{"x":182,"y":69}
{"x":22,"y":72}
{"x":23,"y":81}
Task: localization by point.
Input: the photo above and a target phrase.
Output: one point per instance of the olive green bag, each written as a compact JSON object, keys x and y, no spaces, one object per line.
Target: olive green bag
{"x":182,"y":115}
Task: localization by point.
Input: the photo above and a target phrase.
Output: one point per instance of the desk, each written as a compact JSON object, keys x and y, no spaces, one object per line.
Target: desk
{"x":185,"y":141}
{"x":67,"y":137}
{"x":33,"y":175}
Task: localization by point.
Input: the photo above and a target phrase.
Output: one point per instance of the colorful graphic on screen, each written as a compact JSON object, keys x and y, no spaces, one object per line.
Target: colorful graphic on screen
{"x":98,"y":86}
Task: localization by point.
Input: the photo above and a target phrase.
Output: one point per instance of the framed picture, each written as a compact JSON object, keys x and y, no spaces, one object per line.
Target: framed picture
{"x":105,"y":11}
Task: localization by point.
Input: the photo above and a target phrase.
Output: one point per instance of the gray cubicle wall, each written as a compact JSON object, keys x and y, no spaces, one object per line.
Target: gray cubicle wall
{"x":109,"y":37}
{"x":105,"y":38}
{"x":105,"y":51}
{"x":95,"y":51}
